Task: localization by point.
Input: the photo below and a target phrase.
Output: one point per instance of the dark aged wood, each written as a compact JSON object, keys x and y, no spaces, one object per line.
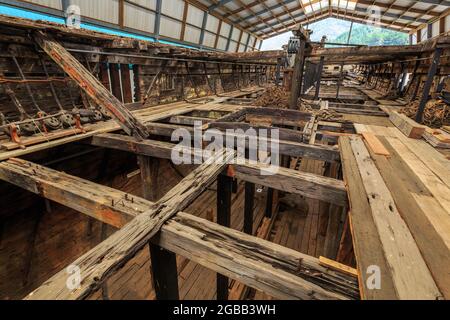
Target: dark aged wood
{"x":224,"y":190}
{"x":284,"y":134}
{"x":292,"y":181}
{"x":269,"y":203}
{"x":293,"y":149}
{"x":284,"y":272}
{"x":307,"y":184}
{"x":91,"y":85}
{"x":297,"y":77}
{"x":100,"y":262}
{"x":163,"y":262}
{"x":249,"y":207}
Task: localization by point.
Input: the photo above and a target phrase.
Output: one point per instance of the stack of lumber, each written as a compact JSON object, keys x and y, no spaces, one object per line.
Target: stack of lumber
{"x":400,"y":213}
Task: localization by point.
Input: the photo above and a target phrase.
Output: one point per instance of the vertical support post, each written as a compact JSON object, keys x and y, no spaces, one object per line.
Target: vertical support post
{"x":297,"y":77}
{"x":126,"y":83}
{"x":163,"y":263}
{"x":269,"y":203}
{"x":121,"y":13}
{"x":426,"y":90}
{"x":248,"y":207}
{"x":115,"y":81}
{"x":138,"y":83}
{"x":319,"y":77}
{"x":224,"y":190}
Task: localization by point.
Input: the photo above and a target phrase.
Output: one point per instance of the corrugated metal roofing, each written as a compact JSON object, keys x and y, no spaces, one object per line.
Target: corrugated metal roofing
{"x":266,"y":18}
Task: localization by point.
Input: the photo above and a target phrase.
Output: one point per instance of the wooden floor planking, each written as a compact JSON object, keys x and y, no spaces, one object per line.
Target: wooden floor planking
{"x":399,"y":247}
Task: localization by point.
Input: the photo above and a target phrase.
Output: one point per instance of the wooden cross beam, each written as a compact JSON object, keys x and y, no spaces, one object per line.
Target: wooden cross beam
{"x":91,"y":85}
{"x":288,"y":148}
{"x":292,"y":181}
{"x":112,"y":254}
{"x":280,"y":272}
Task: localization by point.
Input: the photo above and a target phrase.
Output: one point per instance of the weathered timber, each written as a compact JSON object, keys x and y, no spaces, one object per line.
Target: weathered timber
{"x":163,"y":262}
{"x":249,"y":207}
{"x":264,"y":265}
{"x":100,"y":262}
{"x":189,"y":121}
{"x":359,"y":111}
{"x":425,"y":216}
{"x":398,"y":244}
{"x":91,"y":85}
{"x":224,"y":190}
{"x":283,"y":134}
{"x":290,"y":148}
{"x":292,"y":181}
{"x":407,"y":126}
{"x":265,"y":269}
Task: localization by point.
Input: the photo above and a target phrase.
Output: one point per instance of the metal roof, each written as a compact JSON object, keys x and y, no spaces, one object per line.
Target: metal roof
{"x":267,"y":18}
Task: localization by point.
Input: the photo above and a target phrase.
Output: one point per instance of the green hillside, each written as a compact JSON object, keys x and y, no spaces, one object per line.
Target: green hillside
{"x":372,"y":36}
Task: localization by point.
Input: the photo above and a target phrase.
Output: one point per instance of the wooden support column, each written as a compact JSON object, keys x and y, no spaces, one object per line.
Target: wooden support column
{"x":163,"y":262}
{"x":297,"y":77}
{"x":126,"y":83}
{"x":319,"y":77}
{"x":426,"y":90}
{"x":104,"y":75}
{"x":269,"y":203}
{"x":115,"y":81}
{"x":224,"y":189}
{"x":138,"y":83}
{"x":248,"y":207}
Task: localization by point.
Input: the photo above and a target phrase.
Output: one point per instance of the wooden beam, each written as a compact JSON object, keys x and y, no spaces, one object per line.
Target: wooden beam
{"x":102,"y":261}
{"x":289,"y":148}
{"x":259,"y":264}
{"x":397,"y":242}
{"x":126,"y":83}
{"x":163,"y":262}
{"x":224,"y":190}
{"x":297,"y":77}
{"x":292,"y":181}
{"x":115,"y":81}
{"x":91,"y":85}
{"x":283,"y":179}
{"x":407,"y":126}
{"x":249,"y":207}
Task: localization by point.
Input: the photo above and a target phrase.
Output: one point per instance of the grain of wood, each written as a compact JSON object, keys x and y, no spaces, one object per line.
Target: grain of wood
{"x":112,"y":254}
{"x":411,"y":276}
{"x":375,"y":144}
{"x":434,"y":184}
